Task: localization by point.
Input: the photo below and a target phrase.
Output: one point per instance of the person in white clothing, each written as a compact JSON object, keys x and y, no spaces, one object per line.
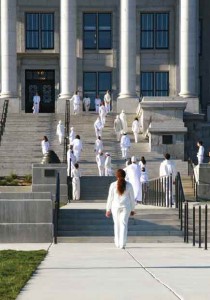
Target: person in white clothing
{"x":77,"y":147}
{"x":133,"y":172}
{"x":144,"y":183}
{"x":118,"y":127}
{"x":72,"y":135}
{"x":135,"y":129}
{"x":107,"y":101}
{"x":168,"y":169}
{"x":123,"y":119}
{"x":102,"y":113}
{"x":200,"y":154}
{"x":76,"y":182}
{"x":45,"y":145}
{"x":86,"y":103}
{"x":98,"y":127}
{"x":60,"y":131}
{"x":71,"y":160}
{"x":36,"y":103}
{"x":127,"y":163}
{"x":100,"y":160}
{"x":125,"y":145}
{"x":121,"y":205}
{"x":97,"y":103}
{"x":98,"y":145}
{"x":143,"y":164}
{"x":108,"y":165}
{"x":76,"y":102}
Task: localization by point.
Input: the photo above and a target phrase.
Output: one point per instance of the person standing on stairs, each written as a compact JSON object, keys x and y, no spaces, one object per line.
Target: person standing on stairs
{"x":36,"y":103}
{"x":102,"y":113}
{"x":77,"y":147}
{"x":133,"y":172}
{"x":123,"y":119}
{"x":72,"y":135}
{"x":143,"y":163}
{"x":100,"y":160}
{"x":118,"y":127}
{"x":98,"y":127}
{"x":71,"y":160}
{"x":76,"y":182}
{"x":86,"y":103}
{"x":108,"y":165}
{"x":97,"y":103}
{"x":135,"y":129}
{"x":107,"y":101}
{"x":45,"y":145}
{"x":125,"y":145}
{"x":200,"y":154}
{"x":144,"y":183}
{"x":76,"y":102}
{"x":121,"y":205}
{"x":98,"y":145}
{"x":60,"y":132}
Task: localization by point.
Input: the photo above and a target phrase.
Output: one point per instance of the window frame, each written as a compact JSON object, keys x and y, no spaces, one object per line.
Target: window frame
{"x":40,"y":31}
{"x":155,"y":30}
{"x":97,"y":31}
{"x":154,"y":90}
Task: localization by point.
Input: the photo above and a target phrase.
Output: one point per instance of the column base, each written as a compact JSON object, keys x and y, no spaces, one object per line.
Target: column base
{"x":61,"y":106}
{"x":128,"y":104}
{"x":192,"y":105}
{"x":14,"y":104}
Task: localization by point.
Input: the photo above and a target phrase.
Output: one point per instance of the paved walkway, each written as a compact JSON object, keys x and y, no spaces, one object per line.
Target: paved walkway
{"x":102,"y":272}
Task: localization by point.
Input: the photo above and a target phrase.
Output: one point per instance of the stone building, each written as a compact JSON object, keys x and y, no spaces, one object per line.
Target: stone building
{"x":134,"y":48}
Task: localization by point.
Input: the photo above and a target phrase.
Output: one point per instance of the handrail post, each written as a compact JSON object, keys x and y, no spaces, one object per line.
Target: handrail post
{"x":206,"y":227}
{"x":193,"y":225}
{"x":187,"y":223}
{"x":199,"y":226}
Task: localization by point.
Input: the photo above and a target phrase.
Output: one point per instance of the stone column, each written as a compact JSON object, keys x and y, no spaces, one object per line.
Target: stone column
{"x":8,"y":49}
{"x":68,"y":59}
{"x":188,"y":48}
{"x":127,"y":55}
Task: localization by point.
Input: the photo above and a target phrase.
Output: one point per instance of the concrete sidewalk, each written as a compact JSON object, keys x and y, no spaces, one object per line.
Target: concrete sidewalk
{"x":102,"y":272}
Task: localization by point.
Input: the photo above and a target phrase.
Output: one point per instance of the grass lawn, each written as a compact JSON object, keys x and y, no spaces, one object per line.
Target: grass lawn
{"x":16,"y":267}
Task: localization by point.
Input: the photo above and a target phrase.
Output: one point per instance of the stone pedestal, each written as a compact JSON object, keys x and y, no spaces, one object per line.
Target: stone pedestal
{"x":162,"y":121}
{"x":129,"y":105}
{"x":44,"y":179}
{"x":203,"y":180}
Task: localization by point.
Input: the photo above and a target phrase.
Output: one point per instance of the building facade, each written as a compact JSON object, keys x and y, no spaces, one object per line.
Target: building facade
{"x":134,"y":48}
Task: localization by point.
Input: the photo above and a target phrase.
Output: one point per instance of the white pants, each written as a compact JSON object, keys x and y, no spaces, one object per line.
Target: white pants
{"x":36,"y":108}
{"x":98,"y":133}
{"x":75,"y":188}
{"x":76,"y":109}
{"x":168,"y":189}
{"x":103,"y":119}
{"x":60,"y":138}
{"x":87,"y":107}
{"x":124,"y":152}
{"x":200,"y":159}
{"x":97,"y":108}
{"x":118,"y":134}
{"x":120,"y":218}
{"x":77,"y":155}
{"x":136,"y":136}
{"x":107,"y":105}
{"x":108,"y":172}
{"x":101,"y":170}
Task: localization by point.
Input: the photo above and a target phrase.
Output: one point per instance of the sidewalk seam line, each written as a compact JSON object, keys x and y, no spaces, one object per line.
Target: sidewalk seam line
{"x":155,"y":277}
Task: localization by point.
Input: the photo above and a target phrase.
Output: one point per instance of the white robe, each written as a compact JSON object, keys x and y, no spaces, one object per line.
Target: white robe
{"x":102,"y":114}
{"x":200,"y":154}
{"x":108,"y":166}
{"x":107,"y":102}
{"x":77,"y":148}
{"x":45,"y":146}
{"x":36,"y":102}
{"x":70,"y":158}
{"x":60,"y":131}
{"x":76,"y":184}
{"x":118,"y":127}
{"x":97,"y":104}
{"x":72,"y":135}
{"x":135,"y":129}
{"x":134,"y":174}
{"x":86,"y":102}
{"x":100,"y":160}
{"x":76,"y":103}
{"x":98,"y":146}
{"x":124,"y":121}
{"x":98,"y":127}
{"x":121,"y":207}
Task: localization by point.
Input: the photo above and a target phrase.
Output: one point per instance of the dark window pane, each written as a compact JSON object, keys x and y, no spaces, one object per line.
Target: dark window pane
{"x":90,"y":40}
{"x":162,"y":21}
{"x":162,"y":39}
{"x":32,"y":21}
{"x":90,"y":22}
{"x":104,"y":21}
{"x":147,"y":83}
{"x":147,"y":22}
{"x":162,"y":83}
{"x":47,"y":40}
{"x":47,"y":21}
{"x":90,"y":83}
{"x":104,"y":81}
{"x":104,"y":40}
{"x":147,"y":38}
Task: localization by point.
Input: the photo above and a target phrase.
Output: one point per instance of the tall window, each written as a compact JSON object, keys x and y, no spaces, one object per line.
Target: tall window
{"x":96,"y":83}
{"x":39,"y":31}
{"x":97,"y":30}
{"x":154,"y":83}
{"x":154,"y":30}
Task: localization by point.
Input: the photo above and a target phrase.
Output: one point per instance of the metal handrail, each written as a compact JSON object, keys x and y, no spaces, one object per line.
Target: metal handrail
{"x":180,"y":197}
{"x":56,"y":208}
{"x":3,"y":118}
{"x":67,"y":125}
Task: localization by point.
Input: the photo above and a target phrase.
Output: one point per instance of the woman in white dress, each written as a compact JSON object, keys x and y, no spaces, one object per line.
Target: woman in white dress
{"x":60,"y":131}
{"x":72,"y":135}
{"x":45,"y":145}
{"x":76,"y":182}
{"x":121,"y":205}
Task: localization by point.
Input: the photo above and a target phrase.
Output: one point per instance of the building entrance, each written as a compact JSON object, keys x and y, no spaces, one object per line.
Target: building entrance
{"x":43,"y":82}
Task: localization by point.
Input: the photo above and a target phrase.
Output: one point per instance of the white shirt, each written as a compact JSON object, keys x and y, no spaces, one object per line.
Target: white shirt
{"x":60,"y":130}
{"x":107,"y":98}
{"x":98,"y":145}
{"x":200,"y":151}
{"x":125,"y":142}
{"x":77,"y":145}
{"x":135,"y":126}
{"x":97,"y":101}
{"x":167,"y":168}
{"x":86,"y":101}
{"x":100,"y":159}
{"x":120,"y":201}
{"x":76,"y":99}
{"x":36,"y":99}
{"x":75,"y":173}
{"x":45,"y":146}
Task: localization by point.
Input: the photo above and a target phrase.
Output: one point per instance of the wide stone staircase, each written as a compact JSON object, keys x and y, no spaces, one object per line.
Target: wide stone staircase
{"x":21,"y":142}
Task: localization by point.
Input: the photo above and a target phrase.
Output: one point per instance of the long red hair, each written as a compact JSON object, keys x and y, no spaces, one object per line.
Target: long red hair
{"x":121,"y":183}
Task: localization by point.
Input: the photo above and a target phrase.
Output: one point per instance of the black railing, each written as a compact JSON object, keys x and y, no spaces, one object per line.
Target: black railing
{"x":196,"y":225}
{"x":56,"y":208}
{"x":158,"y":192}
{"x":180,"y":197}
{"x":191,"y":173}
{"x":67,"y":124}
{"x":3,"y":118}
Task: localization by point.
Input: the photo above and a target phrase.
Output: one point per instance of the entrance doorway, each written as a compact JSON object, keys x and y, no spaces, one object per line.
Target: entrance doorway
{"x":42,"y":82}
